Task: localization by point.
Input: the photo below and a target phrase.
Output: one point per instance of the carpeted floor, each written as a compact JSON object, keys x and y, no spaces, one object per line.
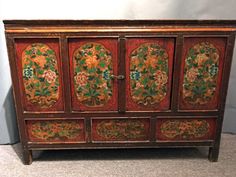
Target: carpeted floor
{"x":187,"y":162}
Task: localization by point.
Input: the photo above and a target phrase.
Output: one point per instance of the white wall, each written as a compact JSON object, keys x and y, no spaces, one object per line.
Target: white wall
{"x":105,"y":9}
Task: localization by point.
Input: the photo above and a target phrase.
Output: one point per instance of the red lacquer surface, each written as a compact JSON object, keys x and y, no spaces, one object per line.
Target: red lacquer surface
{"x":185,"y":129}
{"x":132,"y":44}
{"x":53,"y":44}
{"x":56,"y":131}
{"x":111,"y":46}
{"x":120,"y":129}
{"x":220,"y":45}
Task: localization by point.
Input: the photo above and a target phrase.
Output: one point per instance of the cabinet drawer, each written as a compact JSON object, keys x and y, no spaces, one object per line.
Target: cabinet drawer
{"x":120,"y":129}
{"x":56,"y":130}
{"x":185,"y":129}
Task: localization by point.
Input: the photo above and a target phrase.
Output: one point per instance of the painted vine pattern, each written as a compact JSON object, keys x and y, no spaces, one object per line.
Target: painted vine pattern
{"x":92,"y":74}
{"x":56,"y":130}
{"x":200,"y":73}
{"x":121,"y":129}
{"x":184,"y":129}
{"x":148,"y":74}
{"x":40,"y":75}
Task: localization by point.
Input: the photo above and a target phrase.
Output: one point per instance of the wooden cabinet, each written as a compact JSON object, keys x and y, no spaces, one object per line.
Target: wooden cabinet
{"x":104,"y":84}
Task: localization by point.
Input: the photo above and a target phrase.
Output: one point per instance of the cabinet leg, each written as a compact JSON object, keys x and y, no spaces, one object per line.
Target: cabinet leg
{"x":213,"y":154}
{"x":27,"y":157}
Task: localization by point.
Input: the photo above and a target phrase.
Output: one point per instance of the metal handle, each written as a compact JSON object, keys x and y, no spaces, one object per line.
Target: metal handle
{"x":119,"y":77}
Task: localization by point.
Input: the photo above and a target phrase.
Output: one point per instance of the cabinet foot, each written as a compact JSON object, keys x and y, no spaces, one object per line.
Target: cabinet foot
{"x":27,"y":157}
{"x":213,"y":154}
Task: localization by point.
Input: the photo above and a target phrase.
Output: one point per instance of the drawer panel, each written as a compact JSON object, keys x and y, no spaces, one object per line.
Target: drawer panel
{"x":120,"y":129}
{"x":56,"y":130}
{"x":185,"y":129}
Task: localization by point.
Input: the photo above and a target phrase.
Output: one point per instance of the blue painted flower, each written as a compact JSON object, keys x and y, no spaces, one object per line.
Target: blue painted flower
{"x":28,"y":72}
{"x":135,"y":75}
{"x":213,"y":70}
{"x":106,"y":74}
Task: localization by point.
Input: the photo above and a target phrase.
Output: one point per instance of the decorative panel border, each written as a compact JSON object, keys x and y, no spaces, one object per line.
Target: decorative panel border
{"x":39,"y":69}
{"x":120,"y":129}
{"x":102,"y":91}
{"x":158,"y":54}
{"x":201,"y":72}
{"x":58,"y":131}
{"x":185,"y":129}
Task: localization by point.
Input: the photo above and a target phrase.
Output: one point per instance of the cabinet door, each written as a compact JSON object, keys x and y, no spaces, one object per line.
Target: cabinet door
{"x":201,"y":73}
{"x":40,"y":77}
{"x":149,"y":73}
{"x":92,"y":64}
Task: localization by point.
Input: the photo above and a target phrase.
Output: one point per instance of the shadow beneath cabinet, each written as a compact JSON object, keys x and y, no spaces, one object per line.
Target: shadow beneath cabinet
{"x":121,"y":154}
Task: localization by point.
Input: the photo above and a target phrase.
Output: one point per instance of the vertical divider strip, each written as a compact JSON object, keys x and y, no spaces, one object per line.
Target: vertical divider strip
{"x":121,"y":71}
{"x":66,"y":73}
{"x":176,"y":72}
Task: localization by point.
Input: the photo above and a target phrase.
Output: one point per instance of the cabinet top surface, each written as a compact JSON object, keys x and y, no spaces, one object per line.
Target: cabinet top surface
{"x":12,"y":26}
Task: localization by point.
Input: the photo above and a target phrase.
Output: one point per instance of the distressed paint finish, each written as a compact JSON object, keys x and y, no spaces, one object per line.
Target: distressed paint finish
{"x":93,"y":62}
{"x":56,"y":130}
{"x":120,"y":129}
{"x":149,"y":73}
{"x":40,"y":75}
{"x":201,"y":72}
{"x":185,"y":129}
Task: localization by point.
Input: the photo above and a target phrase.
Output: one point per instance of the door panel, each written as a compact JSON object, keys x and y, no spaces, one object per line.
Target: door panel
{"x":92,"y":64}
{"x":201,"y":73}
{"x":149,"y":73}
{"x":39,"y":71}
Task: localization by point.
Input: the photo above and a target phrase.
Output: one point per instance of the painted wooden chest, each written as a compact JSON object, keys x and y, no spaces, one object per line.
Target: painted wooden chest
{"x":119,"y":83}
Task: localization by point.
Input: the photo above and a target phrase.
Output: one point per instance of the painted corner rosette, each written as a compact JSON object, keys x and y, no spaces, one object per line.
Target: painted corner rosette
{"x":40,"y":75}
{"x":93,"y":68}
{"x":149,"y":74}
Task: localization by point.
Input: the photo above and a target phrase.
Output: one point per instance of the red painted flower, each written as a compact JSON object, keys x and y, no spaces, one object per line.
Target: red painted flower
{"x":50,"y":76}
{"x":192,"y":74}
{"x":81,"y":78}
{"x":161,"y":78}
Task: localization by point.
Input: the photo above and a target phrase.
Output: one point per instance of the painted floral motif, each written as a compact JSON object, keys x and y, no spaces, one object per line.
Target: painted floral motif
{"x":121,"y":129}
{"x":40,"y":75}
{"x":92,"y":74}
{"x":56,"y":130}
{"x":200,"y":73}
{"x":148,"y":74}
{"x":184,"y":129}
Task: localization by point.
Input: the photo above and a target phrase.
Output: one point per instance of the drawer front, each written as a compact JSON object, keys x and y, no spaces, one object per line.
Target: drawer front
{"x":120,"y":129}
{"x":185,"y":129}
{"x":56,"y":130}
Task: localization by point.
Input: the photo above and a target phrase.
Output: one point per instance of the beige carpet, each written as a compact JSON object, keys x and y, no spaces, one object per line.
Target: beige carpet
{"x":188,"y":162}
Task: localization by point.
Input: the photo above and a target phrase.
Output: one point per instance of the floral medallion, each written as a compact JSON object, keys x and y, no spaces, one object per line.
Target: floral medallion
{"x":40,"y":75}
{"x":56,"y":130}
{"x":184,"y":129}
{"x":148,"y":74}
{"x":92,"y":64}
{"x":200,"y":73}
{"x":121,"y":129}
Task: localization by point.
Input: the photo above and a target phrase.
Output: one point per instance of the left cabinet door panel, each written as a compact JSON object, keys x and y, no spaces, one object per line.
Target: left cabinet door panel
{"x":92,"y":64}
{"x":40,"y":74}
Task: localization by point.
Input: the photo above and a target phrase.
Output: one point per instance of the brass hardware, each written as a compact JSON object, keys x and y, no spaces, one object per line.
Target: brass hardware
{"x":119,"y":77}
